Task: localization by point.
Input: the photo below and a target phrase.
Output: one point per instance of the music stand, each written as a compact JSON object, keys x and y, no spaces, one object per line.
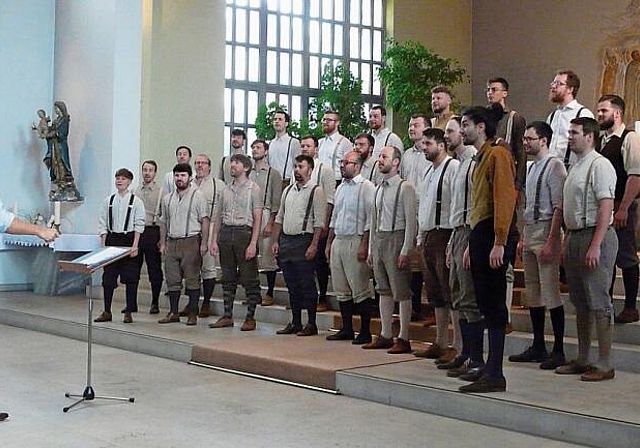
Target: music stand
{"x":88,"y":264}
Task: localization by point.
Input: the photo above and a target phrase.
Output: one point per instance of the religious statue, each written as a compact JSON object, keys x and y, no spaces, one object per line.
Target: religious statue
{"x":632,"y":87}
{"x":57,"y":157}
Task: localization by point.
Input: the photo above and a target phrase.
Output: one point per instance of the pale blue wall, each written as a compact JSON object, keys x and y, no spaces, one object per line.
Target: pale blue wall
{"x":26,"y":84}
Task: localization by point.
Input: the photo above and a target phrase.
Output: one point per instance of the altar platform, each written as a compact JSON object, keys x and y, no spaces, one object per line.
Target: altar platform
{"x":536,"y":402}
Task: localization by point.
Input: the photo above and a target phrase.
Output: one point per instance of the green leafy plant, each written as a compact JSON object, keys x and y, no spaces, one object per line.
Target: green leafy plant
{"x":408,"y":73}
{"x":340,"y":92}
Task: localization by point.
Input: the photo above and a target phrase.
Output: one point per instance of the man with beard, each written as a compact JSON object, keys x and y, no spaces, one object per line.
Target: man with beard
{"x":322,"y":176}
{"x":434,"y":232}
{"x":622,"y":148}
{"x":333,"y":146}
{"x":347,"y":249}
{"x":490,"y":247}
{"x":212,"y":190}
{"x":283,"y":149}
{"x":590,"y":248}
{"x":540,"y":246}
{"x":270,"y":183}
{"x":121,"y":224}
{"x":393,"y":234}
{"x":381,"y":134}
{"x":183,"y":155}
{"x":184,"y":232}
{"x":151,"y":194}
{"x":413,"y":168}
{"x":364,"y":145}
{"x":563,"y":92}
{"x":295,"y":238}
{"x":236,"y":228}
{"x":441,"y":106}
{"x":238,"y":139}
{"x":463,"y":295}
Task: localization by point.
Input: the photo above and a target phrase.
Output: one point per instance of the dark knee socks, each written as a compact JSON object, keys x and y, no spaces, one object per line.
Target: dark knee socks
{"x":557,"y":321}
{"x":131,"y":296}
{"x":416,"y":292}
{"x":630,"y":279}
{"x":365,"y":308}
{"x":346,"y":312}
{"x":174,"y":298}
{"x":271,"y":282}
{"x":155,"y":293}
{"x":207,"y":289}
{"x":537,"y":322}
{"x":194,"y":296}
{"x":496,"y":352}
{"x":108,"y":297}
{"x":464,"y":334}
{"x":476,"y":341}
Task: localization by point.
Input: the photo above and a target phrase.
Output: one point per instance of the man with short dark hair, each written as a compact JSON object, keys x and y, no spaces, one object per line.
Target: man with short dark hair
{"x":236,"y":228}
{"x":381,"y":134}
{"x":333,"y":146}
{"x":295,"y":243}
{"x":183,"y":155}
{"x":622,"y":148}
{"x":434,"y":232}
{"x":238,"y":140}
{"x":392,"y":236}
{"x":121,"y":224}
{"x":563,"y":92}
{"x":284,"y":148}
{"x":441,"y":99}
{"x":322,"y":175}
{"x":270,"y":182}
{"x":364,"y":144}
{"x":590,"y":248}
{"x":184,"y":232}
{"x":151,"y":194}
{"x":490,"y":247}
{"x":540,"y":246}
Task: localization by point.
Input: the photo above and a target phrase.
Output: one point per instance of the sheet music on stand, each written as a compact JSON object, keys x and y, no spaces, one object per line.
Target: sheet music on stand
{"x":95,"y":260}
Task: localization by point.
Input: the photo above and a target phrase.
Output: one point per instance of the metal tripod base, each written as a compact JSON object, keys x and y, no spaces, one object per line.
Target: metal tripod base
{"x":89,"y":395}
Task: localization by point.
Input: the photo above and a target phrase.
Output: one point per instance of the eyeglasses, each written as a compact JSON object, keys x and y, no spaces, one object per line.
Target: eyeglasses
{"x":347,"y":162}
{"x":557,"y":83}
{"x":530,"y":139}
{"x":494,"y":89}
{"x":324,"y":120}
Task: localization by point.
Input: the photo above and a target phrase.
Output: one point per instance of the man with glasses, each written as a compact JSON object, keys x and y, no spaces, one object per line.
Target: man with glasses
{"x":563,"y":92}
{"x":333,"y":146}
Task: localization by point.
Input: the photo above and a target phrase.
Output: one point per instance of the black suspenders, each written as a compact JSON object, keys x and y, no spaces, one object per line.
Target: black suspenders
{"x":128,"y":217}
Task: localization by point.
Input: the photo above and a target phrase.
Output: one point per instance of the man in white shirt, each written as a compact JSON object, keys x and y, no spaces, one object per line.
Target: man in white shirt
{"x":382,"y":135}
{"x":563,"y":92}
{"x":238,"y":140}
{"x":283,"y":149}
{"x":364,"y":145}
{"x":183,"y":155}
{"x":333,"y":145}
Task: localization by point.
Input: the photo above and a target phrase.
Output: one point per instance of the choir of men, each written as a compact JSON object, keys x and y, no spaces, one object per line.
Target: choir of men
{"x":444,"y":207}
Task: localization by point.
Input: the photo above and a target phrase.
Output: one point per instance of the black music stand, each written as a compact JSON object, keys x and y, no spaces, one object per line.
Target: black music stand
{"x":88,"y":264}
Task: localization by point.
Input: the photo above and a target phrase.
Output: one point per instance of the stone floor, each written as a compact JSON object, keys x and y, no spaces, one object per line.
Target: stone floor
{"x":180,"y":405}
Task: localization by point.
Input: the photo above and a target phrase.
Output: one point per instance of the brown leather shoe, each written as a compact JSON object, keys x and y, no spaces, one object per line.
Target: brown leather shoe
{"x":154,"y":309}
{"x":192,"y":320}
{"x":449,"y":355}
{"x":380,"y":343}
{"x":205,"y":310}
{"x":308,"y":330}
{"x":433,"y":352}
{"x":400,"y":346}
{"x":573,"y":368}
{"x":223,"y":322}
{"x":267,"y":300}
{"x":627,"y":316}
{"x":249,"y":324}
{"x":127,"y":319}
{"x":169,"y":319}
{"x":598,"y":375}
{"x":104,"y":317}
{"x":322,"y":307}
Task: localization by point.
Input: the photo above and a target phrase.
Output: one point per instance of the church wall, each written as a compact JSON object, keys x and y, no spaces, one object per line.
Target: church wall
{"x":26,"y":79}
{"x":527,"y":43}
